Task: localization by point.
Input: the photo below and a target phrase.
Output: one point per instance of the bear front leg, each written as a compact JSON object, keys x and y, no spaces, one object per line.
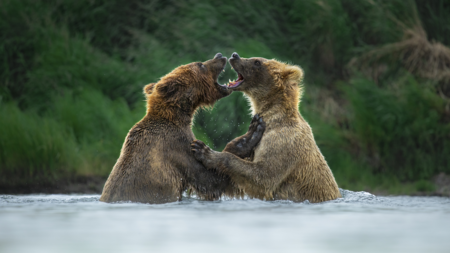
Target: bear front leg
{"x":244,"y":145}
{"x":266,"y":174}
{"x":209,"y":158}
{"x":203,"y":153}
{"x":241,"y":171}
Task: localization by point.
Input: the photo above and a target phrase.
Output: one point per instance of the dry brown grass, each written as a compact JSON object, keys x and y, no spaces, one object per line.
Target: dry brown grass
{"x":427,"y":59}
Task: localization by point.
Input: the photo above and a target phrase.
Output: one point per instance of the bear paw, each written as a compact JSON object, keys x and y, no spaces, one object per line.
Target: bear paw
{"x":256,"y":128}
{"x":200,"y":150}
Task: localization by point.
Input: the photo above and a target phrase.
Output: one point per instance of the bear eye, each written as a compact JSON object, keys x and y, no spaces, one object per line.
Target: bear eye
{"x":257,"y":63}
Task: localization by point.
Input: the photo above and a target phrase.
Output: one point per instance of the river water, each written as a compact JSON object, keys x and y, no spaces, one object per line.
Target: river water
{"x":358,"y":222}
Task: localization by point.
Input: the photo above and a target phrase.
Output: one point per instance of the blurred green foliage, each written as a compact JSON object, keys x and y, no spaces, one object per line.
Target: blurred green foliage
{"x":72,"y":73}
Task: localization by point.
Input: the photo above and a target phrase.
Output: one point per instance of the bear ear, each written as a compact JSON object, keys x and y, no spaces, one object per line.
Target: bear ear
{"x":148,"y":89}
{"x":168,"y":90}
{"x":292,"y":74}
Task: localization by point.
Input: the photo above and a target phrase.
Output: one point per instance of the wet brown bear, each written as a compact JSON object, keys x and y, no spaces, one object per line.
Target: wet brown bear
{"x":155,"y":163}
{"x":287,"y":164}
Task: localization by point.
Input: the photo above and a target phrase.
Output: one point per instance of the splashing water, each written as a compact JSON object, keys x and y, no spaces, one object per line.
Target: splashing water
{"x":358,"y":222}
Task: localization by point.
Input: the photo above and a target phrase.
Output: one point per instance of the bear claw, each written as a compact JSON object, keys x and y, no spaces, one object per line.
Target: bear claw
{"x":199,"y":149}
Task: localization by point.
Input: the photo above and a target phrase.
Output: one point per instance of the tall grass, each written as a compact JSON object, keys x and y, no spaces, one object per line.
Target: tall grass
{"x":34,"y":146}
{"x":400,"y":129}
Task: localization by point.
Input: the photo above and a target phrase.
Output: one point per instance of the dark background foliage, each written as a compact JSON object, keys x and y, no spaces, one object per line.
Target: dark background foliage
{"x":376,"y":85}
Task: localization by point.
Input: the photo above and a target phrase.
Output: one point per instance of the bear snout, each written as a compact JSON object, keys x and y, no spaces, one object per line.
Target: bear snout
{"x":235,"y":56}
{"x":218,"y":56}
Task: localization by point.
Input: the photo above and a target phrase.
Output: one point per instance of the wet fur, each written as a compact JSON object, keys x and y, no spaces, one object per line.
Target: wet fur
{"x":155,"y":163}
{"x":287,"y":163}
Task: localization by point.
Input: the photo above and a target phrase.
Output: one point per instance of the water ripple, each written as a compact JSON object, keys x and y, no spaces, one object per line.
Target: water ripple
{"x":357,"y":222}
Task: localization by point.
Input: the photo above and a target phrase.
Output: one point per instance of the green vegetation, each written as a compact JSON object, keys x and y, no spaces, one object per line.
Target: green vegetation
{"x":377,"y":82}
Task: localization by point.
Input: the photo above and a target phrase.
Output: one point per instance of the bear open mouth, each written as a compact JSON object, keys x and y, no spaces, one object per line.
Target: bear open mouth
{"x":239,"y":80}
{"x":218,"y":76}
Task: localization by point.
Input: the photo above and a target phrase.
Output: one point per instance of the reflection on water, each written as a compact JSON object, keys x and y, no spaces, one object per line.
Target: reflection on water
{"x":358,"y":222}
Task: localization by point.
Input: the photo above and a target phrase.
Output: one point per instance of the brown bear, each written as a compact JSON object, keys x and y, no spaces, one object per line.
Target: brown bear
{"x":155,"y":163}
{"x":287,"y":164}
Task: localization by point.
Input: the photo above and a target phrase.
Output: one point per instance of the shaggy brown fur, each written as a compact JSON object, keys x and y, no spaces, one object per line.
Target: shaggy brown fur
{"x":155,"y":163}
{"x":287,"y":163}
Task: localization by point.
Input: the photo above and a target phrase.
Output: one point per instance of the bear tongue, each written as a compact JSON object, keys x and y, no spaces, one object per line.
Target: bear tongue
{"x":235,"y":83}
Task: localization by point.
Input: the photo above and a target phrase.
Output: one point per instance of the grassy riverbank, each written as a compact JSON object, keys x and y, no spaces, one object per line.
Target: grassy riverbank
{"x":377,"y":83}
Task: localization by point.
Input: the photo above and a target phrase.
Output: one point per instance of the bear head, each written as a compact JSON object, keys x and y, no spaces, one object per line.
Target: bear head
{"x":266,"y":81}
{"x":188,"y":87}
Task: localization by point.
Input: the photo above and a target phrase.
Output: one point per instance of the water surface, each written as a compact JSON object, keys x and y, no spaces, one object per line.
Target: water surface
{"x":358,"y":222}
